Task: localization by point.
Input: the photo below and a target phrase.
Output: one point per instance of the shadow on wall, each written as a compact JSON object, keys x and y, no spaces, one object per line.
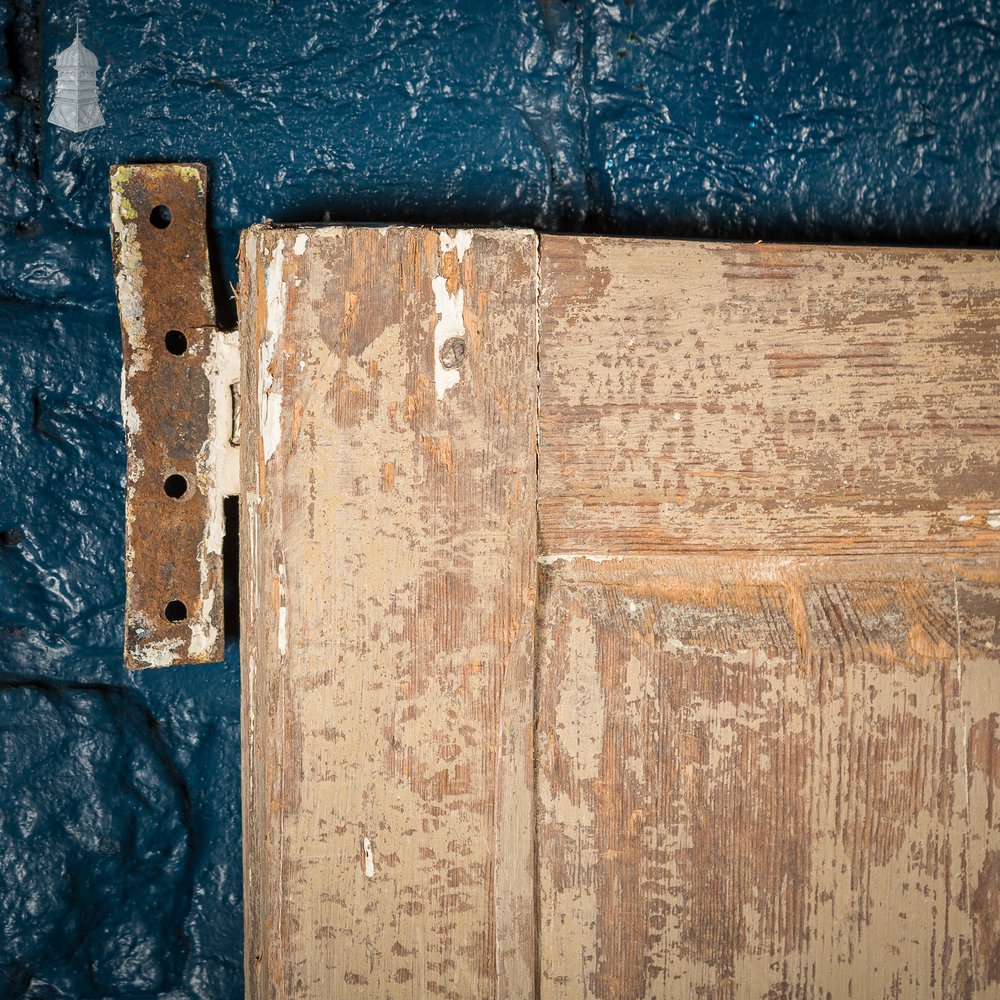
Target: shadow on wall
{"x":96,"y":853}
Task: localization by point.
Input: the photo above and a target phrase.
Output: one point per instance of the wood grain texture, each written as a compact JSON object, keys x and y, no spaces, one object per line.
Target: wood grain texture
{"x":769,"y":778}
{"x":388,"y":589}
{"x":714,"y":397}
{"x":757,"y":775}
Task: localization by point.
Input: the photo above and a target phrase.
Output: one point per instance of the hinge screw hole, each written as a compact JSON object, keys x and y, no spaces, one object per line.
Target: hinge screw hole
{"x":175,"y":611}
{"x":175,"y":342}
{"x":175,"y":486}
{"x":161,"y":217}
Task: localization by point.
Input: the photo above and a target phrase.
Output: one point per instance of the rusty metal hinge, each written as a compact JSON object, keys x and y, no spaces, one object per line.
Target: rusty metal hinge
{"x":180,"y":404}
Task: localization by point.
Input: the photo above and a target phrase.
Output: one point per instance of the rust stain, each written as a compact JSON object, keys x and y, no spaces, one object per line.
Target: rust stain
{"x":173,"y":545}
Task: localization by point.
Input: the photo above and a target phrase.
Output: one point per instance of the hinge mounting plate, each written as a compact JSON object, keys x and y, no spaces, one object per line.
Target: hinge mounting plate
{"x":178,"y":379}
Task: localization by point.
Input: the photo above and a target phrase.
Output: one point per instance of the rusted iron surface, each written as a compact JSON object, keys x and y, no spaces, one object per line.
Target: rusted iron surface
{"x":172,"y":391}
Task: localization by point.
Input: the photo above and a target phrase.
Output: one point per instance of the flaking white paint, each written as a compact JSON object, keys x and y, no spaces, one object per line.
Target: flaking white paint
{"x":282,"y":630}
{"x":133,"y":424}
{"x":451,"y":324}
{"x":556,"y":557}
{"x":161,"y":653}
{"x":222,"y":367}
{"x":218,"y":474}
{"x":204,"y":633}
{"x":129,"y":281}
{"x":460,"y":242}
{"x":269,"y":392}
{"x":282,"y":610}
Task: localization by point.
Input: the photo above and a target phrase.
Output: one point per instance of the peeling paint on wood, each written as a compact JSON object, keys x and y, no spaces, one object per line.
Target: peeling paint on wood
{"x":388,"y":645}
{"x":729,"y":396}
{"x":692,"y":768}
{"x":449,"y":300}
{"x":769,"y":778}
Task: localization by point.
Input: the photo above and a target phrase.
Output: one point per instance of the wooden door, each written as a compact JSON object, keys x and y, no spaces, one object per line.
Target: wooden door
{"x":620,"y":618}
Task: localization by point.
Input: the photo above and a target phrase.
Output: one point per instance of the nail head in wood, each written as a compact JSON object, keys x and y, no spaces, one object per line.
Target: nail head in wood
{"x":452,"y":352}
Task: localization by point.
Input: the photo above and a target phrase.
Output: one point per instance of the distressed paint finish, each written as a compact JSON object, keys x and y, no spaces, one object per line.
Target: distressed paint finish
{"x":769,"y":778}
{"x":388,"y":603}
{"x":728,"y":396}
{"x":171,"y":405}
{"x":756,"y":775}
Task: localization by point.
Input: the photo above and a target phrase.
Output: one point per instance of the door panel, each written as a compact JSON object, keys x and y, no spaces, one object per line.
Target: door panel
{"x":746,"y":740}
{"x":768,"y":778}
{"x":700,"y":397}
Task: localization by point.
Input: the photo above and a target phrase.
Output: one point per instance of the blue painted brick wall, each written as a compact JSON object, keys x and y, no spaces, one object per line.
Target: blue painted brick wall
{"x":843,"y":120}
